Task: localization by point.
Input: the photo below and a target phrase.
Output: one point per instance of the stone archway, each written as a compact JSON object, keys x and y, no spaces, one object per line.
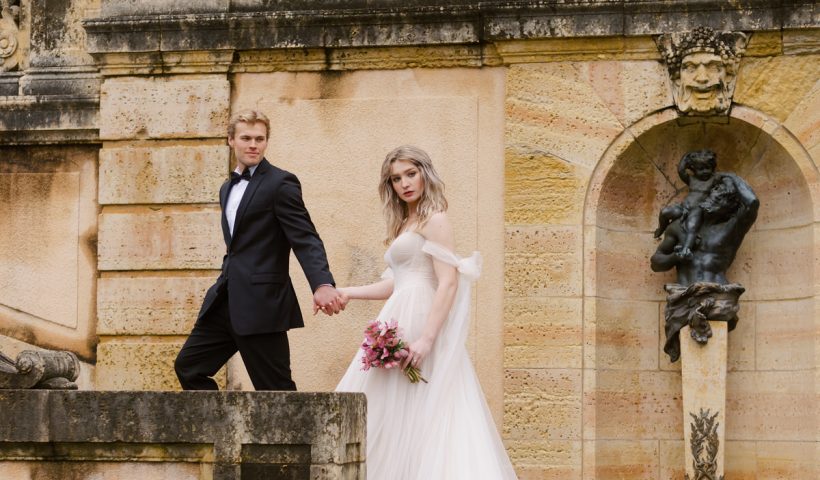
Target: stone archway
{"x":633,"y":404}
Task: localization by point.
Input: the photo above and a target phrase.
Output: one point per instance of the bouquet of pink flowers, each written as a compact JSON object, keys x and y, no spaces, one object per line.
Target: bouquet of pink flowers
{"x":384,"y":348}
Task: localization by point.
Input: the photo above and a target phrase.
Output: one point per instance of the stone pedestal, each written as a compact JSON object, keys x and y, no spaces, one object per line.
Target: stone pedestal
{"x":704,"y":402}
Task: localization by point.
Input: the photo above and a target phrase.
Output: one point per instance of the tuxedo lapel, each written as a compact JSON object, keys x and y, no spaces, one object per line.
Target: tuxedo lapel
{"x":254,"y":183}
{"x":223,"y":200}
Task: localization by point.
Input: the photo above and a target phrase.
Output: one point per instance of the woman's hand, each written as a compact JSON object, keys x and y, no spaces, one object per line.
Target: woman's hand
{"x":419,"y":350}
{"x":344,"y":297}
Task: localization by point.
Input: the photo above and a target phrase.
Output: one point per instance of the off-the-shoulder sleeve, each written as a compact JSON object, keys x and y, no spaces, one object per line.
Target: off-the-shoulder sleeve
{"x":470,"y":266}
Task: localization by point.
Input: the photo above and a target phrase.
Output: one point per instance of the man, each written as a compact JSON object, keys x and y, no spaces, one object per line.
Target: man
{"x":252,"y":305}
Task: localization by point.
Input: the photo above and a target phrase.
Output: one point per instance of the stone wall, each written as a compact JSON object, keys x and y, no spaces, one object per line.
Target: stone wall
{"x":553,"y":125}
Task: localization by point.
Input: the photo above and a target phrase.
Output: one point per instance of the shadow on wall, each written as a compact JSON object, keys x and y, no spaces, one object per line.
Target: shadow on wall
{"x":771,"y":381}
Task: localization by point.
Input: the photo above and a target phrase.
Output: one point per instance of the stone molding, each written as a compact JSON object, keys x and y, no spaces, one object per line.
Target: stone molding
{"x":249,"y":25}
{"x":49,"y":119}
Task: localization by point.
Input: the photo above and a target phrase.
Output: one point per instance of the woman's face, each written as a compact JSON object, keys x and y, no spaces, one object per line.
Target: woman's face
{"x":407,"y":181}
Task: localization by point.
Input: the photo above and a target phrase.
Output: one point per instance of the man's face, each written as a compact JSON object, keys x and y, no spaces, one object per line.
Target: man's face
{"x":702,"y":77}
{"x":249,"y":143}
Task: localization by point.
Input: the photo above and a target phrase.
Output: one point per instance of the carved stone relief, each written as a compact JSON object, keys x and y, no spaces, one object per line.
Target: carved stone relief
{"x":9,"y":34}
{"x":704,"y":443}
{"x":702,"y":66}
{"x":40,"y":369}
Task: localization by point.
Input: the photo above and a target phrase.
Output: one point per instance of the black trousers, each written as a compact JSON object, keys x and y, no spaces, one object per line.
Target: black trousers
{"x":213,"y":341}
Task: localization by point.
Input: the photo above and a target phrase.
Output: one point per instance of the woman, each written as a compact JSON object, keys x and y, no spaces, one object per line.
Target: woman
{"x":441,"y":430}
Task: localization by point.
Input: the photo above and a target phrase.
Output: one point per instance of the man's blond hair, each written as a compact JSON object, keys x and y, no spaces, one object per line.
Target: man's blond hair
{"x":250,"y":117}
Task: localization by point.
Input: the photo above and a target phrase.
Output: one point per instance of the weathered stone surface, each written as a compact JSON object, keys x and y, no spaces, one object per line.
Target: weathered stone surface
{"x":115,"y":8}
{"x":106,"y":467}
{"x":541,"y":459}
{"x":625,"y":338}
{"x":161,"y":239}
{"x":771,"y":406}
{"x":759,"y":77}
{"x":81,"y":83}
{"x":786,"y":460}
{"x":785,"y":335}
{"x":799,"y":41}
{"x":48,"y":246}
{"x":228,"y":435}
{"x":10,"y":83}
{"x":622,"y":266}
{"x":52,"y":244}
{"x":631,"y":90}
{"x":541,"y":188}
{"x":637,"y":405}
{"x":631,"y":459}
{"x":149,"y":305}
{"x":129,"y":364}
{"x":164,"y":107}
{"x":57,"y":33}
{"x":32,"y":120}
{"x":542,"y":404}
{"x":778,"y":266}
{"x":580,"y":49}
{"x":804,"y":120}
{"x":381,"y":23}
{"x":160,"y":174}
{"x":553,"y":109}
{"x":543,"y":261}
{"x":542,"y":332}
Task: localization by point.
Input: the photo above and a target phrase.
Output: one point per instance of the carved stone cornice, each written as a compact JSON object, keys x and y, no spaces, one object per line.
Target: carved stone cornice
{"x":49,"y":119}
{"x":296,"y":24}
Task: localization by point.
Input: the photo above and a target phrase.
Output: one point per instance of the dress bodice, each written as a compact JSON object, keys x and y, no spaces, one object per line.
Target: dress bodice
{"x":408,"y":262}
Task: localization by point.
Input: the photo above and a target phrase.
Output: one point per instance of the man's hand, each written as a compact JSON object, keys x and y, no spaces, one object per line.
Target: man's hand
{"x":328,"y":300}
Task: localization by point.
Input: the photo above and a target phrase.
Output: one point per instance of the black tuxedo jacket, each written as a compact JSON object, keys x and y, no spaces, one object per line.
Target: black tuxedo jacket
{"x":271,"y":221}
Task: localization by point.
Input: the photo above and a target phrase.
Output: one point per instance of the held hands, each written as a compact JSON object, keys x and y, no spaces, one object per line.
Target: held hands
{"x":329,"y":300}
{"x":419,"y":349}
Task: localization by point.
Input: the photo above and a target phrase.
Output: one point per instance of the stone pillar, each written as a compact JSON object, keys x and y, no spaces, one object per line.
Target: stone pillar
{"x":704,"y":402}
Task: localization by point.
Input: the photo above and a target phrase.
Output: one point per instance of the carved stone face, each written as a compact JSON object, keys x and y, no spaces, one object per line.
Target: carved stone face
{"x":702,"y":88}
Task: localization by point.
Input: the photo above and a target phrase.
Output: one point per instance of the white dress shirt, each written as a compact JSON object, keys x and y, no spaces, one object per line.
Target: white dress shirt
{"x":234,"y":198}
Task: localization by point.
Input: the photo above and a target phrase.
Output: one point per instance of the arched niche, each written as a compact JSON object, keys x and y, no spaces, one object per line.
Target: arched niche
{"x":633,"y":392}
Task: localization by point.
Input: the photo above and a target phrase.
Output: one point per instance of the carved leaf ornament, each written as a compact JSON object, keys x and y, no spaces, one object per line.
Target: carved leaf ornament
{"x":704,"y":443}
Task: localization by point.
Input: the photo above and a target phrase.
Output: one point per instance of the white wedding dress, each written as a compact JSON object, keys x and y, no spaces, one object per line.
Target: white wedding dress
{"x":441,"y":430}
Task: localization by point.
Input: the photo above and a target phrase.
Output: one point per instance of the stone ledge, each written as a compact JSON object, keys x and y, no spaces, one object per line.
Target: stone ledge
{"x":48,"y":119}
{"x":252,"y":25}
{"x":232,"y":435}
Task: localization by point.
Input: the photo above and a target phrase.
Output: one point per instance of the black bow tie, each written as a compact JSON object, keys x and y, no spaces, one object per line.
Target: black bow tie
{"x":236,"y":177}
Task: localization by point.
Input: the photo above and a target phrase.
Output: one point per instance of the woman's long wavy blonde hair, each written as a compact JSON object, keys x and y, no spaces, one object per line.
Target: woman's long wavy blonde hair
{"x":432,"y":198}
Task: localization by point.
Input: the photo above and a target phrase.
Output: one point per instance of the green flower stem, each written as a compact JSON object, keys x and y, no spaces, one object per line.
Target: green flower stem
{"x":414,"y":374}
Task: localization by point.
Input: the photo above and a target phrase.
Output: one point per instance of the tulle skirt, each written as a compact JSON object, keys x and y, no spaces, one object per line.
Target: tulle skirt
{"x":441,"y":430}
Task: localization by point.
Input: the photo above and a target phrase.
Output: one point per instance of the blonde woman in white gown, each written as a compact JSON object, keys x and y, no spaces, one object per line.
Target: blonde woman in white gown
{"x":441,"y":430}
